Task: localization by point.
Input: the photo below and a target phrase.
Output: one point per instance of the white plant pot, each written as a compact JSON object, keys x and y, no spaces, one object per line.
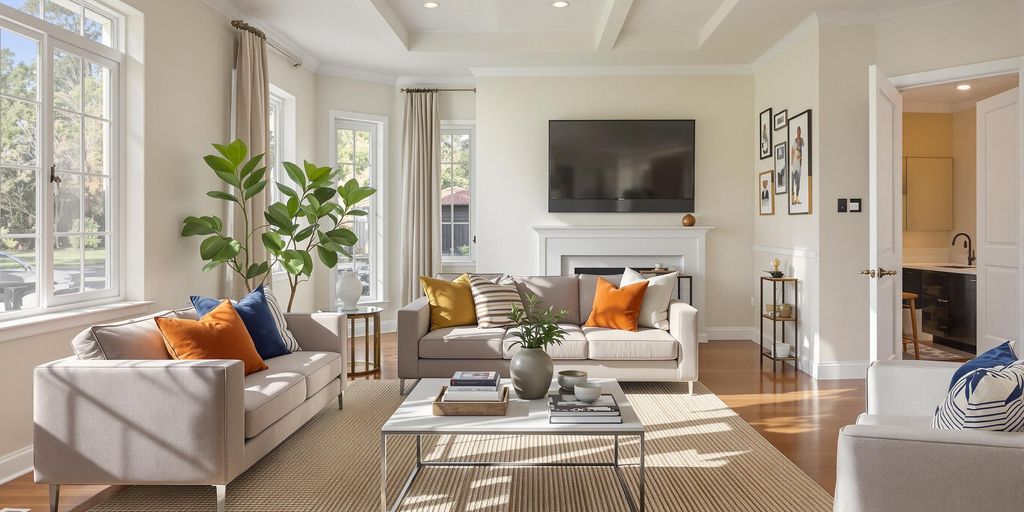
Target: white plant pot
{"x":782,"y":349}
{"x":349,"y":289}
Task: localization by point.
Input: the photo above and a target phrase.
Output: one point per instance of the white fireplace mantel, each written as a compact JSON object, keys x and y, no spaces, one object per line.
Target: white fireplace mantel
{"x":562,"y":248}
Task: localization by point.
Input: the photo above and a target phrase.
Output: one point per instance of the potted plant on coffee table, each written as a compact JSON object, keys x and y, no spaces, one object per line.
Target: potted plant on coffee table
{"x":534,"y":328}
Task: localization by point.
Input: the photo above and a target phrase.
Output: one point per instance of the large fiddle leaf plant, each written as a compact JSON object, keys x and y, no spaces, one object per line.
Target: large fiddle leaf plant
{"x":314,"y":217}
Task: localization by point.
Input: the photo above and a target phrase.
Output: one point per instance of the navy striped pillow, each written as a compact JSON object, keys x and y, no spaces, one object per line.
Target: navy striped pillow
{"x":985,"y":399}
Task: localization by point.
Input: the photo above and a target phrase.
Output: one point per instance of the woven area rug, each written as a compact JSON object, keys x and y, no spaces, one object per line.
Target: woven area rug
{"x":700,"y":457}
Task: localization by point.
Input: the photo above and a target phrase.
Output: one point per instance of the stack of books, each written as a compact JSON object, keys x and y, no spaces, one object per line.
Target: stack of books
{"x":473,"y":387}
{"x":567,"y":409}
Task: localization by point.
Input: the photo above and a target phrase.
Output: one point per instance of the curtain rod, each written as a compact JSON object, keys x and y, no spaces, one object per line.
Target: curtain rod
{"x":241,"y":25}
{"x":439,"y":90}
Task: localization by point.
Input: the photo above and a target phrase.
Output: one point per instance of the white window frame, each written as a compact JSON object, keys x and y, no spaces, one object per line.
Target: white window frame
{"x":285,"y":132}
{"x":53,"y":37}
{"x":378,"y":202}
{"x":463,"y":127}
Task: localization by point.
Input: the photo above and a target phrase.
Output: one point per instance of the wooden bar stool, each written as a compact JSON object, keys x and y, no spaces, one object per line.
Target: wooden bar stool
{"x":911,"y":304}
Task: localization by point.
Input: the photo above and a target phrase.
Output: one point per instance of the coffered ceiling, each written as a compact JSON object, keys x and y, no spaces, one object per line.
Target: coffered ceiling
{"x":387,"y":39}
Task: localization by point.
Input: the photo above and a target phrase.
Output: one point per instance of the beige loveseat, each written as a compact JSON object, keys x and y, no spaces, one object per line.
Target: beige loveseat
{"x":122,"y":412}
{"x":645,"y":355}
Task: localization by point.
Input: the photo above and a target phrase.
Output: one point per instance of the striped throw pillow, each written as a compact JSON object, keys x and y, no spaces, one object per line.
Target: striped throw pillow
{"x":493,"y":301}
{"x":985,"y":399}
{"x":282,"y":325}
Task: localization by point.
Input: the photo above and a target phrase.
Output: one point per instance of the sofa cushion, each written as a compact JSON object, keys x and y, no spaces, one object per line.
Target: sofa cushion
{"x":617,"y":308}
{"x":268,"y":395}
{"x":136,"y":338}
{"x":318,"y":368}
{"x":466,"y":342}
{"x":451,"y":302}
{"x":220,"y":334}
{"x":493,"y":301}
{"x":588,"y":288}
{"x":644,"y":344}
{"x":654,"y":310}
{"x":985,"y":399}
{"x":256,"y":316}
{"x":560,"y":292}
{"x":574,"y":346}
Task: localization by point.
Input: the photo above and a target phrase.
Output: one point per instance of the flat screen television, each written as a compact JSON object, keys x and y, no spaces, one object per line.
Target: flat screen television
{"x":621,"y":166}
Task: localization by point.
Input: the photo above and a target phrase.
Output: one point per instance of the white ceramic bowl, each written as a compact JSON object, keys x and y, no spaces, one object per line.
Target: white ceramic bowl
{"x":587,"y":391}
{"x":569,"y":378}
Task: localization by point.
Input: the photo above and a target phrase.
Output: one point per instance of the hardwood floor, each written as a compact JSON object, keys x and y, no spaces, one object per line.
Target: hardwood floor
{"x":798,"y":415}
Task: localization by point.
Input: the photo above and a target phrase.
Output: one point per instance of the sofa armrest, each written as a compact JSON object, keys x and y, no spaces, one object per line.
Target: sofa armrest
{"x":413,"y":323}
{"x":908,"y":388}
{"x":322,"y":332}
{"x":914,"y":469}
{"x":682,"y":321}
{"x":138,"y":422}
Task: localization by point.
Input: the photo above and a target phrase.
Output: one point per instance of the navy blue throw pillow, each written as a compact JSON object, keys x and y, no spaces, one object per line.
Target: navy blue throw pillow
{"x":999,"y":356}
{"x":258,"y":320}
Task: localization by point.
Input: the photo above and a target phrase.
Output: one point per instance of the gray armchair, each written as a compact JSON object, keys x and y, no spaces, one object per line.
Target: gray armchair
{"x":893,"y":460}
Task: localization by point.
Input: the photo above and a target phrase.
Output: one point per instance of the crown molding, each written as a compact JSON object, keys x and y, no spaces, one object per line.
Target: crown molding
{"x":230,"y":12}
{"x":435,"y":80}
{"x":695,"y":70}
{"x":357,"y":74}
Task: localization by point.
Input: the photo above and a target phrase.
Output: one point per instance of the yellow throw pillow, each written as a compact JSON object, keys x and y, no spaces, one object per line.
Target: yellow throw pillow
{"x":451,"y":302}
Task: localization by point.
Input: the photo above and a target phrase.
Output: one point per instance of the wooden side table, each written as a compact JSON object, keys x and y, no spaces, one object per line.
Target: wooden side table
{"x":370,"y":366}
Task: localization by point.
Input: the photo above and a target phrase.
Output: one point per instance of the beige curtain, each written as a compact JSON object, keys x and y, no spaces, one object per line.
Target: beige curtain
{"x":421,"y":213}
{"x":251,"y":122}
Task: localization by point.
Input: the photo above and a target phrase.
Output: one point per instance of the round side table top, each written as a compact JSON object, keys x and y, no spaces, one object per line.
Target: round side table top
{"x":359,"y":311}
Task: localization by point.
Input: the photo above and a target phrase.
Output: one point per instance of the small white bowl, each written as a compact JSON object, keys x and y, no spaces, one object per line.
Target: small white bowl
{"x":587,"y":391}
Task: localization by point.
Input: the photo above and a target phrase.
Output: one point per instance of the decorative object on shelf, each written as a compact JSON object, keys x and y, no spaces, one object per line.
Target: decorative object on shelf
{"x":689,"y":220}
{"x":781,"y":169}
{"x":567,"y":379}
{"x":779,"y":313}
{"x":349,"y":289}
{"x":766,"y":193}
{"x":799,"y":145}
{"x":534,"y":329}
{"x":774,"y":271}
{"x":765,"y":133}
{"x":779,"y":120}
{"x":587,"y":391}
{"x":309,"y":221}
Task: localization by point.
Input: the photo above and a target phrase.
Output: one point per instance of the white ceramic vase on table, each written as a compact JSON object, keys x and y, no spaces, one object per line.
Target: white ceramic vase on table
{"x":349,"y":289}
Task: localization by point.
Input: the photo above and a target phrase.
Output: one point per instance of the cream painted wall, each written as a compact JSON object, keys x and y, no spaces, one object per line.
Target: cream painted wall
{"x":927,"y":135}
{"x":965,"y":179}
{"x":512,"y":116}
{"x":187,"y":84}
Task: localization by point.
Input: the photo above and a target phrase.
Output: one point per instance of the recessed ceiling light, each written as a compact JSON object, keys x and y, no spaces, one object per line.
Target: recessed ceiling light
{"x":964,"y":87}
{"x":431,"y":5}
{"x":559,"y":4}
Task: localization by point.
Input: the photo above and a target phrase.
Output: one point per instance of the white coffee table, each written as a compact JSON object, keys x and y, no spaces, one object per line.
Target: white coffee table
{"x":527,"y":417}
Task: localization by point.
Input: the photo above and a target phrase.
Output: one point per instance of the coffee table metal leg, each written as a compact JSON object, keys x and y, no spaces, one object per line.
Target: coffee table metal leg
{"x":616,"y":451}
{"x":383,"y":472}
{"x":643,"y":474}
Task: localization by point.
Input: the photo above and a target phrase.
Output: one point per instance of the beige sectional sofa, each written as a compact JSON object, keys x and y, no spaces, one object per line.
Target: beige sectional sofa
{"x":645,"y":355}
{"x":123,"y":412}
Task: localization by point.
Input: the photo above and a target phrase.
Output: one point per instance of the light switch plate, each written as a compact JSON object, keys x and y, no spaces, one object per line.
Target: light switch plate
{"x":854,"y":205}
{"x":841,"y":208}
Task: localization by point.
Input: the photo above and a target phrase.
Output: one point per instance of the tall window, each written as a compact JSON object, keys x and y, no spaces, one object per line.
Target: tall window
{"x":59,"y":173}
{"x":274,"y":159}
{"x":456,"y":193}
{"x":359,"y":154}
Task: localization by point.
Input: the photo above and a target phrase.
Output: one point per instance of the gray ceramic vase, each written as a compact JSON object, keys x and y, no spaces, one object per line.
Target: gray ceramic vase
{"x":531,"y":370}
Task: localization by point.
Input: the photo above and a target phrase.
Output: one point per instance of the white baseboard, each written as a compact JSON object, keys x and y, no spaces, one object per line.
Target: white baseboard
{"x":732,"y":333}
{"x":840,"y":370}
{"x":15,"y":464}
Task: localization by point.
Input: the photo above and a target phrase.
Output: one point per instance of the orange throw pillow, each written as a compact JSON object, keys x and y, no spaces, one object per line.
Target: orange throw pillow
{"x":220,"y":334}
{"x":617,"y":308}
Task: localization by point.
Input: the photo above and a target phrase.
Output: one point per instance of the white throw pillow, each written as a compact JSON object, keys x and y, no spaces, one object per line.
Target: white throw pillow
{"x":282,"y":324}
{"x":654,"y":311}
{"x":985,"y":399}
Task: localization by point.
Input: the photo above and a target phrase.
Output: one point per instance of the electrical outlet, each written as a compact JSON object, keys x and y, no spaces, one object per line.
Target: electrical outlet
{"x":842,"y":205}
{"x":855,"y":205}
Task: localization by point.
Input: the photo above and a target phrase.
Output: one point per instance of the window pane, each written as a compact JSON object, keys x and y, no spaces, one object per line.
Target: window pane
{"x":460,"y":175}
{"x":67,"y":141}
{"x":99,"y":27}
{"x":97,"y":90}
{"x":19,"y":65}
{"x":460,"y":235}
{"x":67,"y":81}
{"x":460,"y":148}
{"x":446,"y":148}
{"x":97,"y":198}
{"x":345,"y":146}
{"x":17,"y":201}
{"x":18,"y":132}
{"x":26,"y":6}
{"x":67,"y":265}
{"x":97,"y":139}
{"x":63,"y":13}
{"x":362,"y":147}
{"x":362,"y":175}
{"x":18,"y":274}
{"x":446,"y":240}
{"x":345,"y":174}
{"x":446,"y":211}
{"x":96,"y":262}
{"x":67,"y":207}
{"x":461,"y":212}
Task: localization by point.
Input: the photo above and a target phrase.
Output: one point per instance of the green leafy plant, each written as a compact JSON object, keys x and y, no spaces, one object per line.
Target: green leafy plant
{"x":245,"y":179}
{"x":310,"y":220}
{"x":535,"y":326}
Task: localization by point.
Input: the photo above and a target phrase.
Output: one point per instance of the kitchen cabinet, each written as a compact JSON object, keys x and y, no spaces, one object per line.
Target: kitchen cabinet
{"x":948,"y":303}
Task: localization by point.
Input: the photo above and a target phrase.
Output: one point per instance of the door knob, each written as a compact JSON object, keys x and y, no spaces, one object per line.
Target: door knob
{"x":883,"y":272}
{"x":870,"y":272}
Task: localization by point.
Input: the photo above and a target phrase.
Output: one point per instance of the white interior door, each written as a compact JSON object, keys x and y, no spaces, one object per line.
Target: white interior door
{"x":885,"y":105}
{"x":1000,"y":273}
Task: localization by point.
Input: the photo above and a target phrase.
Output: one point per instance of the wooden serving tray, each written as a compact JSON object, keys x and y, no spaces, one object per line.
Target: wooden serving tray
{"x":470,"y":408}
